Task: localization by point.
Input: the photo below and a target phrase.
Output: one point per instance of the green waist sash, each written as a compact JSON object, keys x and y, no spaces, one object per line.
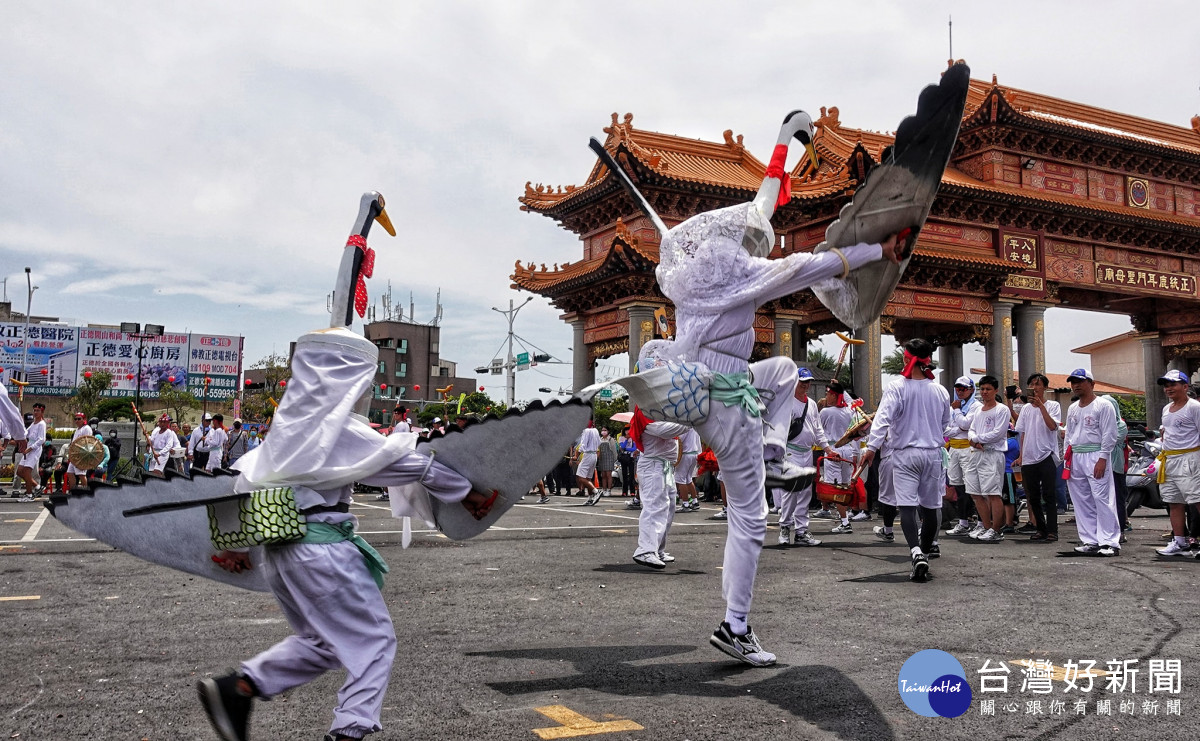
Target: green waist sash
{"x":1086,"y":448}
{"x":324,"y":533}
{"x":734,"y":389}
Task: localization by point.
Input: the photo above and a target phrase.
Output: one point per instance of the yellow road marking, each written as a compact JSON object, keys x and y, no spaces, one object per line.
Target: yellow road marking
{"x":618,"y":532}
{"x":573,"y":724}
{"x":18,"y":599}
{"x":11,"y":547}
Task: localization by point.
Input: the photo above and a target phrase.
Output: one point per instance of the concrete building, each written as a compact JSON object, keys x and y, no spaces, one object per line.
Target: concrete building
{"x":410,"y":366}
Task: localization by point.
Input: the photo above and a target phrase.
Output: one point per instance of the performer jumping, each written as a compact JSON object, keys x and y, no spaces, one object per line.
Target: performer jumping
{"x":911,"y":417}
{"x":714,"y":268}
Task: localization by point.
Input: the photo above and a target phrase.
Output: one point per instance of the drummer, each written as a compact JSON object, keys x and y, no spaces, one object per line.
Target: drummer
{"x":82,"y":429}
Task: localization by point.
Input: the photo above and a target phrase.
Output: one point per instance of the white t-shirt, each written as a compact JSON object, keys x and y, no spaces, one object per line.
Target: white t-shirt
{"x":1181,"y":430}
{"x":990,"y":428}
{"x":1038,"y":440}
{"x":1094,"y":424}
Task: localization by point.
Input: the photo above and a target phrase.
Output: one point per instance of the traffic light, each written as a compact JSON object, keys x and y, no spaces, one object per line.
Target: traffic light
{"x":541,"y":357}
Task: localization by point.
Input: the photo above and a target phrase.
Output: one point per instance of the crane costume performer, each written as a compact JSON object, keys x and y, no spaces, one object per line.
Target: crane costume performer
{"x":328,"y":584}
{"x":714,"y":268}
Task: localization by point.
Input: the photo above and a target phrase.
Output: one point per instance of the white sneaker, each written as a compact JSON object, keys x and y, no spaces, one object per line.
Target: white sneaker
{"x":666,"y":557}
{"x":806,"y":538}
{"x":650,"y":559}
{"x":987,"y":536}
{"x":784,"y":474}
{"x":861,"y":516}
{"x":722,"y":515}
{"x":843,"y":527}
{"x":1174,"y":549}
{"x":824,"y":514}
{"x":773,"y":511}
{"x":978,"y":531}
{"x":785,"y":535}
{"x":959,"y":529}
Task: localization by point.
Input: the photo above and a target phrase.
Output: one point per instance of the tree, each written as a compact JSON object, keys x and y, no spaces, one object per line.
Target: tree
{"x":178,"y":400}
{"x":893,"y":364}
{"x":604,"y":409}
{"x":115,"y":408}
{"x":822,"y":360}
{"x":1133,"y":408}
{"x":89,"y":394}
{"x":256,"y":402}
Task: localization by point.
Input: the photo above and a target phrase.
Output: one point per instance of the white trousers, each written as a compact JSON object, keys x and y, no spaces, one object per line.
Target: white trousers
{"x":340,"y":621}
{"x":793,"y":505}
{"x":1095,"y":501}
{"x":740,"y":442}
{"x":887,"y":478}
{"x":658,"y":503}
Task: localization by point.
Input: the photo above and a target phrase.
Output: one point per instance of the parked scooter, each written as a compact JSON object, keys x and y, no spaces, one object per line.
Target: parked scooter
{"x":1142,"y":476}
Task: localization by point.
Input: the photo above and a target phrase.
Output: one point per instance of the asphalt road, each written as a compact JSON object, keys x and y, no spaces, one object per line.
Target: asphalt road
{"x":545,"y":628}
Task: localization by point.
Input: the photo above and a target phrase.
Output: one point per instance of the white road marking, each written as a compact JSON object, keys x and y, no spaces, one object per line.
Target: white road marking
{"x":36,"y":527}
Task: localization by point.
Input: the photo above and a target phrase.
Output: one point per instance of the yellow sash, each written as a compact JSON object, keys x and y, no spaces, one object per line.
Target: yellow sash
{"x":1162,"y":461}
{"x":959,"y":442}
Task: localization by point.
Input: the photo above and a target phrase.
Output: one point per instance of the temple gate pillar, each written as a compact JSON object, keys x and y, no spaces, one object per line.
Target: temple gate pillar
{"x":999,"y":347}
{"x":641,"y":330}
{"x":1155,"y":366}
{"x":785,"y":338}
{"x":866,"y":361}
{"x":583,"y":370}
{"x":1031,"y":341}
{"x":950,"y":360}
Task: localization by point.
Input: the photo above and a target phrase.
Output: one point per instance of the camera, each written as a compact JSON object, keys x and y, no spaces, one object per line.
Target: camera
{"x":1010,"y":392}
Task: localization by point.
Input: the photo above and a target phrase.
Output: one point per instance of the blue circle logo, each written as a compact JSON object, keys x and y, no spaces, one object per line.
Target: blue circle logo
{"x":933,"y":684}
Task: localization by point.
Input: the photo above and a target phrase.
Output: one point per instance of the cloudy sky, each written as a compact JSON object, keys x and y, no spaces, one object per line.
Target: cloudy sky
{"x":199,"y":165}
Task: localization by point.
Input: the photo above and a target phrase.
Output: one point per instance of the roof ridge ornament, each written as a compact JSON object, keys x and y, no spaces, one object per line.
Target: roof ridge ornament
{"x":731,"y":142}
{"x":1196,"y":124}
{"x":829,"y":117}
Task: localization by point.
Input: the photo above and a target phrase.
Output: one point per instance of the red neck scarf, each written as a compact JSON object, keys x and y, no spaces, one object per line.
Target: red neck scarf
{"x":637,"y":426}
{"x":775,"y":170}
{"x":912,"y":361}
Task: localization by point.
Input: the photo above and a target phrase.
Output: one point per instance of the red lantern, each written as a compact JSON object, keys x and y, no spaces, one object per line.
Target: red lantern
{"x":247,"y":381}
{"x":45,"y":372}
{"x":128,"y":376}
{"x":283,"y":384}
{"x":207,"y":380}
{"x":416,"y":388}
{"x":171,"y":379}
{"x":87,"y":374}
{"x":481,"y":388}
{"x":383,"y":387}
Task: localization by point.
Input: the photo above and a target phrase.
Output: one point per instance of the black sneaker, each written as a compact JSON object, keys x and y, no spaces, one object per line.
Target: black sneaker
{"x":1027,"y":529}
{"x":920,"y":568}
{"x":227,"y":708}
{"x":745,"y":648}
{"x":935,"y":551}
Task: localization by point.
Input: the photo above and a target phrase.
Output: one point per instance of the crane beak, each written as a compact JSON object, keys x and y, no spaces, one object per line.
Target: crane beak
{"x":814,"y":161}
{"x":385,"y":222}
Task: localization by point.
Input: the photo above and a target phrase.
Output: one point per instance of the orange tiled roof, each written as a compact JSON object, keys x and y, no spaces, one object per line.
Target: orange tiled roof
{"x":532,"y":279}
{"x":1059,"y":381}
{"x":958,"y":178}
{"x":728,"y":165}
{"x":1088,"y":118}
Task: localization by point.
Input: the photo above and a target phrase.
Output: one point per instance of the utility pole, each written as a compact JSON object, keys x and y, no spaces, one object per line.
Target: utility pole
{"x":25,"y":337}
{"x":510,"y":366}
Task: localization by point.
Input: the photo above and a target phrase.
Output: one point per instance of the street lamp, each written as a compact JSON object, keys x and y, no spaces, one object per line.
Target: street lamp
{"x":25,"y":338}
{"x":133,"y":329}
{"x":510,"y":366}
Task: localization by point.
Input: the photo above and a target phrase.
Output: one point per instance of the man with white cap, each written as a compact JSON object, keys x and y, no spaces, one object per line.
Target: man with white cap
{"x":199,"y":447}
{"x":1179,"y":463}
{"x":162,"y":442}
{"x":1091,"y":435}
{"x":804,"y":433}
{"x":962,"y":409}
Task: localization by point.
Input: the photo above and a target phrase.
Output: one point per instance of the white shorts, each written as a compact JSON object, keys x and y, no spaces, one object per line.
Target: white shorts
{"x":837,"y":472}
{"x":77,"y":471}
{"x":1183,"y":479}
{"x":686,"y":470}
{"x":887,"y":491}
{"x":957,"y":467}
{"x":985,"y":473}
{"x":30,"y":460}
{"x":917,"y":477}
{"x":587,"y":466}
